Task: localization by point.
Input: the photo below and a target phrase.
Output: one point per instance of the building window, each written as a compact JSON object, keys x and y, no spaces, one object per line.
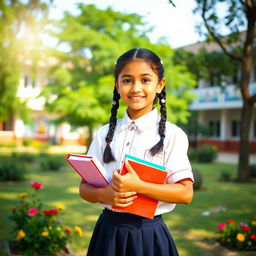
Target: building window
{"x":255,"y":73}
{"x":26,"y":81}
{"x":34,"y":84}
{"x":235,"y":128}
{"x":254,"y":129}
{"x":214,"y":128}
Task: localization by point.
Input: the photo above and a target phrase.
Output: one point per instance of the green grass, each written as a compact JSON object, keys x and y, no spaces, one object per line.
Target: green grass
{"x":193,"y":233}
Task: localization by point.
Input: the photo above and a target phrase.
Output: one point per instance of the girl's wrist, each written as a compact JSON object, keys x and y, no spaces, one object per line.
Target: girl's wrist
{"x":100,"y":194}
{"x":141,"y":187}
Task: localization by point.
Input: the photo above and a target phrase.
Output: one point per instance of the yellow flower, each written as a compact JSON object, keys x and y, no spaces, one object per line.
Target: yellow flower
{"x":78,"y":230}
{"x":60,"y":206}
{"x":21,"y":234}
{"x":50,"y":228}
{"x":253,"y":223}
{"x":240,"y":237}
{"x":45,"y":233}
{"x":21,"y":195}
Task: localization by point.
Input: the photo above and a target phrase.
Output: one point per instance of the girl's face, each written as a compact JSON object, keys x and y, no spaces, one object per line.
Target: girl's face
{"x":137,"y":85}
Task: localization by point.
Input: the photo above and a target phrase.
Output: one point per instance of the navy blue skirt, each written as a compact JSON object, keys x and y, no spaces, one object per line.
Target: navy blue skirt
{"x":124,"y":234}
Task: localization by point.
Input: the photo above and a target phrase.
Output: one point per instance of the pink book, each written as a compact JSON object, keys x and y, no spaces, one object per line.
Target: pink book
{"x":90,"y":169}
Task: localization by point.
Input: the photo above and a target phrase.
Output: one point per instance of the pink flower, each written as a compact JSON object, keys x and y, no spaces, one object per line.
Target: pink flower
{"x":242,"y":224}
{"x":32,"y":212}
{"x":221,"y":226}
{"x":37,"y":185}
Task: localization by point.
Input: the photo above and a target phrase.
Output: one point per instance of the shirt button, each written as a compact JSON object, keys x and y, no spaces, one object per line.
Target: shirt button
{"x":128,"y":143}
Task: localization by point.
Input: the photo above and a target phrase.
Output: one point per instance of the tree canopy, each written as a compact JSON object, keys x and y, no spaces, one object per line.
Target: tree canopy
{"x":19,"y":23}
{"x":83,"y":81}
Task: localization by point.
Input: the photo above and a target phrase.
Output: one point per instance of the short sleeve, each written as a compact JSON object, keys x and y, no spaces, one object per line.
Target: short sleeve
{"x":96,"y":147}
{"x":178,"y":164}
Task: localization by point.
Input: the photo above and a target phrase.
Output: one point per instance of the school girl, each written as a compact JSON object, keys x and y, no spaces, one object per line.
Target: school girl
{"x":143,"y":133}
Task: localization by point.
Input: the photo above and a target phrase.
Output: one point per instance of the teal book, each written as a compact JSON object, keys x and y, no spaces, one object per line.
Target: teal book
{"x":148,"y":172}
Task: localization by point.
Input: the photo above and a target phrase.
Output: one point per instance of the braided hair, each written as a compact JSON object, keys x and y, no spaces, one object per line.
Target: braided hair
{"x":157,"y":66}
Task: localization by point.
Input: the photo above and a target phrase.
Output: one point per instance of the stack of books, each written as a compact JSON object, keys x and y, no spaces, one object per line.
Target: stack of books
{"x":92,"y":171}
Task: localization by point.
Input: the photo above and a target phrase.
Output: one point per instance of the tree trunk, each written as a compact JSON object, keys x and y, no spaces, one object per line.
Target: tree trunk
{"x":244,"y":174}
{"x":89,"y":138}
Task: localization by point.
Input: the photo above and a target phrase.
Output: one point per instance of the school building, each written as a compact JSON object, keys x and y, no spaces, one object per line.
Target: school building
{"x":40,"y":128}
{"x":219,"y":108}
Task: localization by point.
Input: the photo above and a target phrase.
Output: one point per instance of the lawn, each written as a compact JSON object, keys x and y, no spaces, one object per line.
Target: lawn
{"x":193,"y":226}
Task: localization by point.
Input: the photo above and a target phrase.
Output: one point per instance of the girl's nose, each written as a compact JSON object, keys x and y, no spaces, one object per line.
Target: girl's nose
{"x":136,"y":87}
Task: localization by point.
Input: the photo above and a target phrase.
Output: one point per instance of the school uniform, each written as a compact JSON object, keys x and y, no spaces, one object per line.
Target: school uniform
{"x":124,"y":234}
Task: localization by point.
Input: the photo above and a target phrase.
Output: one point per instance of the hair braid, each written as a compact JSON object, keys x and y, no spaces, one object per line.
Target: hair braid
{"x":107,"y":155}
{"x":161,"y":130}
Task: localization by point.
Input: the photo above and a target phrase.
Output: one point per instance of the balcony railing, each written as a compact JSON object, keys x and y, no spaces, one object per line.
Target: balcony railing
{"x":218,"y":98}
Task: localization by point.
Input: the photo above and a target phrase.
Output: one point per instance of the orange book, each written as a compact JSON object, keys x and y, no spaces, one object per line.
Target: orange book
{"x":149,"y":172}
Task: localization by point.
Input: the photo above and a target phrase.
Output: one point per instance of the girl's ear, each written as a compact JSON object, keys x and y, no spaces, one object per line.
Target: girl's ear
{"x":161,"y":85}
{"x":116,"y":85}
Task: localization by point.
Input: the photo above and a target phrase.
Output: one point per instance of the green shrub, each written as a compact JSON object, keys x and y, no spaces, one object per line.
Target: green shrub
{"x":198,"y":183}
{"x":27,"y":142}
{"x":51,"y":162}
{"x":12,"y":169}
{"x":204,"y":154}
{"x":25,"y":157}
{"x":225,"y":176}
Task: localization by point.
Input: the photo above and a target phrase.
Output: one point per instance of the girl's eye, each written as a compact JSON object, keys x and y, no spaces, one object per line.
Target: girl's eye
{"x":146,"y":80}
{"x":126,"y":81}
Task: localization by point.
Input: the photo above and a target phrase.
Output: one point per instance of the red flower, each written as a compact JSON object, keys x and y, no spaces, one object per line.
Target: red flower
{"x":230,"y":221}
{"x":253,"y":236}
{"x":221,"y":226}
{"x":254,"y":216}
{"x":51,"y":212}
{"x":246,"y":228}
{"x":37,"y":185}
{"x":32,"y":212}
{"x":68,"y":231}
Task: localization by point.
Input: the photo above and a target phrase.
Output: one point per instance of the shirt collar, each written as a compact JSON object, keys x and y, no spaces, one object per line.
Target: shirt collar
{"x":142,"y":122}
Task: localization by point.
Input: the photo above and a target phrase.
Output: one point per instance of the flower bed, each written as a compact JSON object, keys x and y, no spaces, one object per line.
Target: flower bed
{"x":40,"y":231}
{"x":238,"y":235}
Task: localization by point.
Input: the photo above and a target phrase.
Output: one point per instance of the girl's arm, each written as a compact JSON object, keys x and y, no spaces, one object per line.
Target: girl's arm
{"x":107,"y":195}
{"x":178,"y":193}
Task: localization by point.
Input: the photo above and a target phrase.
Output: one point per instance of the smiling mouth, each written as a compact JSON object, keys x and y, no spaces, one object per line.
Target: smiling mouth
{"x":136,"y":98}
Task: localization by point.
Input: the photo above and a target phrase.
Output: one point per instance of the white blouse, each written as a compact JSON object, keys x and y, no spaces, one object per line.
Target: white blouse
{"x":136,"y":138}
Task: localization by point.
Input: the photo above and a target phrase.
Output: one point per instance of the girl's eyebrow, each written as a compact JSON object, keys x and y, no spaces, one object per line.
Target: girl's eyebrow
{"x":127,"y":75}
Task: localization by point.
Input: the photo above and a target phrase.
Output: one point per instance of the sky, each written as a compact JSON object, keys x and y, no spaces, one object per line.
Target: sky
{"x":176,"y":24}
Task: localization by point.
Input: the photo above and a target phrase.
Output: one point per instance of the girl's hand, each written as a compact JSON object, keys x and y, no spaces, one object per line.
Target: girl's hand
{"x":128,"y":182}
{"x":115,"y":198}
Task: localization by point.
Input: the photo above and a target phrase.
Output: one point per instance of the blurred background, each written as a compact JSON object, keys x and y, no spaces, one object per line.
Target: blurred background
{"x":56,"y":83}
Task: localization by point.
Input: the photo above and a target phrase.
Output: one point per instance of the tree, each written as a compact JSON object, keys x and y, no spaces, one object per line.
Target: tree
{"x":83,"y":81}
{"x":238,"y":15}
{"x":19,"y":23}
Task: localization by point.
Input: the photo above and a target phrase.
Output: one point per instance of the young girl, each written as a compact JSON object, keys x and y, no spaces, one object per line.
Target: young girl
{"x":139,"y":82}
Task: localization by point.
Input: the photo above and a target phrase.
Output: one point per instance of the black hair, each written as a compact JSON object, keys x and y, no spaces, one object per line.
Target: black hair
{"x":158,"y":68}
